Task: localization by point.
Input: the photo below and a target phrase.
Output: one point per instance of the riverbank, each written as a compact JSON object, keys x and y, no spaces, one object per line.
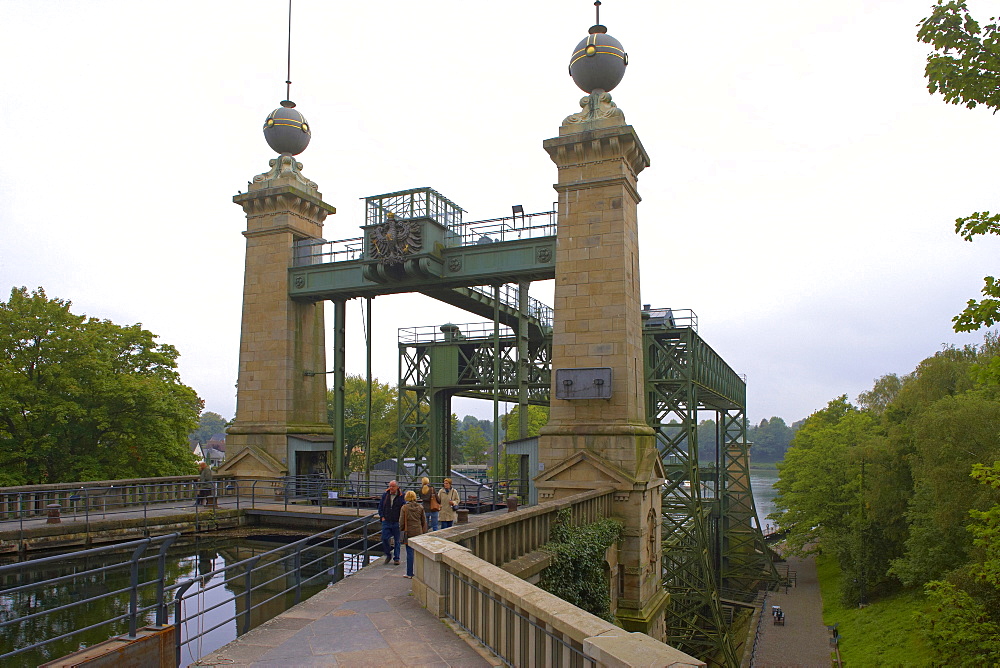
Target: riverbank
{"x":883,"y":633}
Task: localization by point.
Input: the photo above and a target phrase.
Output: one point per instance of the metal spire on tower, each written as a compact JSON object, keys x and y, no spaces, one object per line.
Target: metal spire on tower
{"x":288,"y":75}
{"x":286,"y":129}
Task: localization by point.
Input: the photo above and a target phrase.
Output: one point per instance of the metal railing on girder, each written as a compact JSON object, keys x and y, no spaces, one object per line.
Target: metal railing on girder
{"x":529,"y":226}
{"x":509,"y":228}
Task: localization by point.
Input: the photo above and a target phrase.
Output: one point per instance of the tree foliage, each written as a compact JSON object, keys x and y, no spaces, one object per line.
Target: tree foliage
{"x":964,"y":67}
{"x":538,"y":417}
{"x":476,"y":447}
{"x":577,"y":574}
{"x":471,"y":440}
{"x":85,"y":399}
{"x":209,"y":424}
{"x":770,"y":439}
{"x":383,"y":422}
{"x":963,"y":624}
{"x":886,"y":485}
{"x":965,"y":63}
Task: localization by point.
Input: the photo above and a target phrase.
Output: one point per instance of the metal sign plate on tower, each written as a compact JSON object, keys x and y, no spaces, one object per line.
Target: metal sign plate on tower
{"x":583,"y":383}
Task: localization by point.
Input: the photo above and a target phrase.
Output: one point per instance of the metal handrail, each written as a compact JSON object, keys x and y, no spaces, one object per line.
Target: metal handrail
{"x":232,"y":572}
{"x":29,"y":508}
{"x":175,"y":596}
{"x":476,"y":496}
{"x":309,"y":252}
{"x":134,"y":611}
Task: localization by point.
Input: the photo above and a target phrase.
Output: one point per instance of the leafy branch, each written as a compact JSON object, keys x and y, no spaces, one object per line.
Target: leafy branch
{"x":577,"y":572}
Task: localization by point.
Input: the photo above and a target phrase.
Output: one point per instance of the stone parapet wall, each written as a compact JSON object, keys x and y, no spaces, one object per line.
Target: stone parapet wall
{"x":458,"y":576}
{"x":504,"y":538}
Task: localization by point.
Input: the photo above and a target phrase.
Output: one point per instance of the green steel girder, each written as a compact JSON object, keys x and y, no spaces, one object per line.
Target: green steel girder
{"x":477,"y":301}
{"x":675,"y":355}
{"x":461,"y":266}
{"x":433,"y":371}
{"x":695,"y":619}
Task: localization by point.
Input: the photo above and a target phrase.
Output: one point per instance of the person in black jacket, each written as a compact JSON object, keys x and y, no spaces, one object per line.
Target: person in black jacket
{"x":388,"y":513}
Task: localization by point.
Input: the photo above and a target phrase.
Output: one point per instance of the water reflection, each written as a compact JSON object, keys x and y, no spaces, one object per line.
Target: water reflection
{"x":762,"y":485}
{"x":204,"y":559}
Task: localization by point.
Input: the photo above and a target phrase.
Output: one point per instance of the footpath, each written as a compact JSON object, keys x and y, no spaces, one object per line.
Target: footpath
{"x":803,"y":641}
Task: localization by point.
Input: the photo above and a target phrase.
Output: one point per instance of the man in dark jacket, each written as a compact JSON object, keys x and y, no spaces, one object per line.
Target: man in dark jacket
{"x":388,"y":512}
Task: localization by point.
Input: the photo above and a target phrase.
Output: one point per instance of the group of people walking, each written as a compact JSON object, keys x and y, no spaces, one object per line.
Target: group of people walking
{"x":409,"y":515}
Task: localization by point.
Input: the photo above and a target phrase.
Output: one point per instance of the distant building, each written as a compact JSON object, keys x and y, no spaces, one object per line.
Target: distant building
{"x":212,"y":456}
{"x":217,"y":442}
{"x":213,"y":452}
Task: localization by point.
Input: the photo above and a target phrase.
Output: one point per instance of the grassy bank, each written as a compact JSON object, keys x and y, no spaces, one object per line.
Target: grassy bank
{"x":764,"y":466}
{"x":882,"y":634}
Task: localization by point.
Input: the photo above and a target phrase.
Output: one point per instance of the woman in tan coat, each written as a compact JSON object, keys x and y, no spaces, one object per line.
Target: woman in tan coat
{"x":412,"y":522}
{"x":449,"y":500}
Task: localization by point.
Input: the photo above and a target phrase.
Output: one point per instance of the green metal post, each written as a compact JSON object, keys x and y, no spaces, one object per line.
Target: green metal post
{"x":496,"y":381}
{"x":368,"y":370}
{"x":339,"y":373}
{"x":522,"y":359}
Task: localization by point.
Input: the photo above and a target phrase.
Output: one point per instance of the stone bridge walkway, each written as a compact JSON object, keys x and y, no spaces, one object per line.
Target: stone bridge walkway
{"x":367,"y":619}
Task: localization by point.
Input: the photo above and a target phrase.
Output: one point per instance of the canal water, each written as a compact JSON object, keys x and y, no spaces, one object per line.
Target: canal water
{"x":194,"y":559}
{"x":762,"y":485}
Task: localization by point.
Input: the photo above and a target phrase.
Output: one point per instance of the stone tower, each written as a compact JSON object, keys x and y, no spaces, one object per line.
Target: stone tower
{"x":597,"y":433}
{"x":280,"y":424}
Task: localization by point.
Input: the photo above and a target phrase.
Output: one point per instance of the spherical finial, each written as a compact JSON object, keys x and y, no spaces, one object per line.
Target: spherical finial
{"x":286,"y":129}
{"x":598,"y":62}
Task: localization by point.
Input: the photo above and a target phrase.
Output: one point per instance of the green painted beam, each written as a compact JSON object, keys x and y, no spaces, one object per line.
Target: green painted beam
{"x":463,"y":266}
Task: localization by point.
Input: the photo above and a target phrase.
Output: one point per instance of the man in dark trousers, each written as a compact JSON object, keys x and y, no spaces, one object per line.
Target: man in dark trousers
{"x":388,"y":512}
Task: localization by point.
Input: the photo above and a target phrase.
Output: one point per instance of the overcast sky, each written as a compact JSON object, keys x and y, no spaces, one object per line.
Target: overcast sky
{"x":801,"y":196}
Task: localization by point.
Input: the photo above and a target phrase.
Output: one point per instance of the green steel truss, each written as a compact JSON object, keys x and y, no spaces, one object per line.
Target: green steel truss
{"x":680,"y":370}
{"x":468,"y":360}
{"x":713,"y":552}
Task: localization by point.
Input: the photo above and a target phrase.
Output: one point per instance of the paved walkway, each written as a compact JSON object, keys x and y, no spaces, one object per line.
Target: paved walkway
{"x":367,"y":619}
{"x":804,"y":641}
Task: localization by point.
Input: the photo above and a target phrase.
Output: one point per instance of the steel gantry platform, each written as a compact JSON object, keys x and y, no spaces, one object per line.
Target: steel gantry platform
{"x":714,"y":557}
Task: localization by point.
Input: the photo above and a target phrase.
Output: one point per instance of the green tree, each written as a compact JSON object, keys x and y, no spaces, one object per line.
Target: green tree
{"x":770,"y":439}
{"x":538,"y":417}
{"x":950,"y":437}
{"x":964,"y":627}
{"x":817,"y":486}
{"x":476,"y":446}
{"x":964,"y":67}
{"x":458,"y":438}
{"x":878,"y":399}
{"x":708,"y":438}
{"x":383,"y":421}
{"x":464,"y":452}
{"x":965,"y":63}
{"x":85,"y":399}
{"x":209,"y":424}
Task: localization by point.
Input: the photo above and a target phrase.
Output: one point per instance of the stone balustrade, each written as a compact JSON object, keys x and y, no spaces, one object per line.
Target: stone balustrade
{"x":459,"y":577}
{"x":510,"y":536}
{"x":28,"y":500}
